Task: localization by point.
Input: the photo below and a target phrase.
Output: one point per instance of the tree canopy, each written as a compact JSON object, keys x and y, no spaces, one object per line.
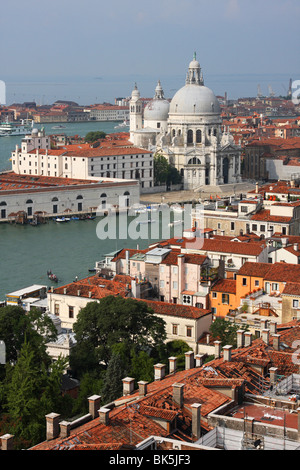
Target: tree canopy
{"x":164,"y":172}
{"x":92,"y":136}
{"x":225,"y":331}
{"x":115,"y":322}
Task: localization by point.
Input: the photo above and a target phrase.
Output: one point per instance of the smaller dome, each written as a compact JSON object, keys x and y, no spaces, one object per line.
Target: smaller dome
{"x":157,"y":110}
{"x":35,"y":131}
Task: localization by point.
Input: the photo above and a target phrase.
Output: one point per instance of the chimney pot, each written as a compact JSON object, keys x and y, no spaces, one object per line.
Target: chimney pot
{"x":52,"y":426}
{"x":273,"y":327}
{"x":7,"y":441}
{"x":104,"y":415}
{"x":142,"y":388}
{"x":94,"y":402}
{"x":248,"y":338}
{"x":276,"y":342}
{"x":128,"y":385}
{"x":65,"y":428}
{"x":217,"y":349}
{"x":196,"y":420}
{"x":240,"y":338}
{"x":265,"y":335}
{"x":273,"y":374}
{"x":227,"y":353}
{"x":172,"y":364}
{"x":199,"y":360}
{"x":159,"y":371}
{"x":189,"y":360}
{"x":178,"y":390}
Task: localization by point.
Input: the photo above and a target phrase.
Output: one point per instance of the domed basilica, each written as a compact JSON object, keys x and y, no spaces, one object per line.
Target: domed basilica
{"x":187,"y":131}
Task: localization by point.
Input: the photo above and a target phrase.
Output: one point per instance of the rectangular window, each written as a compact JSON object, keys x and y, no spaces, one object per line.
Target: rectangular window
{"x":214,"y":294}
{"x":275,"y":286}
{"x":71,"y":312}
{"x":56,"y":309}
{"x":256,"y":283}
{"x":295,"y":303}
{"x":225,"y":299}
{"x":189,"y":331}
{"x":175,"y":329}
{"x":232,"y":226}
{"x":174,"y":285}
{"x":244,"y":281}
{"x":162,"y":284}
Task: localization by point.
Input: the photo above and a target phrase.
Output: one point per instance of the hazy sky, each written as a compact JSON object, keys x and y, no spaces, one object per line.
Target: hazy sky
{"x":157,"y":38}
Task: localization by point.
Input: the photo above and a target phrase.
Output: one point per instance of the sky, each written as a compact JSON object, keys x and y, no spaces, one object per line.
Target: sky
{"x":72,"y":45}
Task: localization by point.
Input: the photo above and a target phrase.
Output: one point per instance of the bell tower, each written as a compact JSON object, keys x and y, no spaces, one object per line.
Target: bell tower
{"x":136,"y":112}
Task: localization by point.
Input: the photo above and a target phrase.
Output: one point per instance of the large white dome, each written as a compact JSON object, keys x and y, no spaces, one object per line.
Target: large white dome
{"x":194,"y":99}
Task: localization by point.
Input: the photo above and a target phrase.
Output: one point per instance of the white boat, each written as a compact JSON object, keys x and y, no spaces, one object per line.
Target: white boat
{"x":59,"y":127}
{"x":123,"y":124}
{"x":8,"y":129}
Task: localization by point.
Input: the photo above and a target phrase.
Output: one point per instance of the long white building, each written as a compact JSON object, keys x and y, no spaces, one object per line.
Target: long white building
{"x":110,"y":159}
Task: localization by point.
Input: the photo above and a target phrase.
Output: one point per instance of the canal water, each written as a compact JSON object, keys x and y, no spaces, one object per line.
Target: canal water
{"x":67,"y":249}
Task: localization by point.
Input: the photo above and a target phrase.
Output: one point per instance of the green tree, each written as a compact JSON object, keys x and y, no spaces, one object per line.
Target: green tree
{"x":225,"y":331}
{"x":115,"y":320}
{"x":33,"y":392}
{"x":16,"y":326}
{"x":164,"y":172}
{"x":161,"y":169}
{"x":112,"y":385}
{"x":92,"y":136}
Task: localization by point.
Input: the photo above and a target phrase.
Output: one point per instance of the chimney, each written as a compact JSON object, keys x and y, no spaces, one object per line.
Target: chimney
{"x":196,"y":421}
{"x":159,"y":371}
{"x":94,"y":403}
{"x":78,"y":293}
{"x":52,"y":426}
{"x":189,"y":360}
{"x":296,"y":246}
{"x":172,"y":364}
{"x":7,"y":442}
{"x":65,"y":428}
{"x":273,"y":375}
{"x":104,"y":415}
{"x":256,"y":188}
{"x":65,"y":290}
{"x":240,"y":338}
{"x":227,"y":353}
{"x":142,"y":388}
{"x":199,"y":360}
{"x":273,"y":327}
{"x":128,"y":386}
{"x":265,"y":335}
{"x":90,"y":294}
{"x":207,"y":338}
{"x":276,"y":342}
{"x":178,"y":390}
{"x":248,"y":338}
{"x":263,"y":323}
{"x":217,"y":349}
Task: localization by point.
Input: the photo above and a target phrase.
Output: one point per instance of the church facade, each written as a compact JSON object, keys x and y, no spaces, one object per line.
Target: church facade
{"x":188,"y":132}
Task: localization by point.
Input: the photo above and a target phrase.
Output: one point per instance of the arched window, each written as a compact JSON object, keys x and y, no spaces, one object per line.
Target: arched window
{"x":54,"y":199}
{"x":29,"y":201}
{"x":173,"y":132}
{"x":103,"y":195}
{"x":190,"y":136}
{"x":198,"y":136}
{"x":79,"y":197}
{"x":3,"y":203}
{"x":194,"y":161}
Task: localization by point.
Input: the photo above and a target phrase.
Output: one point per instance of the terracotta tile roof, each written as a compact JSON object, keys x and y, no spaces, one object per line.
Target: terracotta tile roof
{"x":264,"y":215}
{"x":254,"y":269}
{"x":177,"y":310}
{"x":225,"y":285}
{"x":280,"y":272}
{"x":291,"y":288}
